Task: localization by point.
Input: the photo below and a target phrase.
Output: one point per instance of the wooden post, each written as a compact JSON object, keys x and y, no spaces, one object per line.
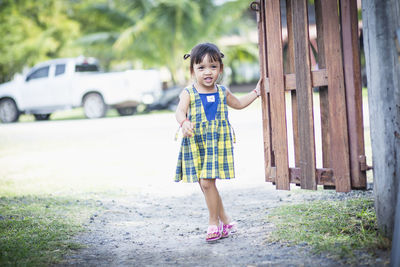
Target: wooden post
{"x":304,"y":95}
{"x":380,"y":20}
{"x":290,"y":69}
{"x":339,"y":149}
{"x":260,"y":8}
{"x":277,"y":92}
{"x":352,"y":74}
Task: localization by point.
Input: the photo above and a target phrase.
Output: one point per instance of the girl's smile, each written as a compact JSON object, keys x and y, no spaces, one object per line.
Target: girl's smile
{"x":206,"y":74}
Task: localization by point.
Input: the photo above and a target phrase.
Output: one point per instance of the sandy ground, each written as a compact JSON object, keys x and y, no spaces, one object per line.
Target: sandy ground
{"x":154,"y":221}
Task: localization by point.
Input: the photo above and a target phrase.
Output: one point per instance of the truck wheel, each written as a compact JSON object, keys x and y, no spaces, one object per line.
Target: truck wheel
{"x":126,"y":111}
{"x":8,"y":111}
{"x":94,"y":106}
{"x":42,"y":117}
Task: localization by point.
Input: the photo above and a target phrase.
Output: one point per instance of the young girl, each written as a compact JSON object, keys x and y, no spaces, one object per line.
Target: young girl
{"x":206,"y":152}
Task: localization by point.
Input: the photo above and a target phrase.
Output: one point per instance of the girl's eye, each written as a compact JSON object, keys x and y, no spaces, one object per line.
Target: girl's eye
{"x":214,"y":66}
{"x":200,"y":68}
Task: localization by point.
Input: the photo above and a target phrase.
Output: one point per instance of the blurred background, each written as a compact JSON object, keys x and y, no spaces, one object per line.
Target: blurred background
{"x":121,"y":35}
{"x":124,"y":34}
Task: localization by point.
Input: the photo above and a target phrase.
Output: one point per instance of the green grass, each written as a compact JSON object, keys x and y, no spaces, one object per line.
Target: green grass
{"x":38,"y":231}
{"x":69,"y":114}
{"x":338,"y":227}
{"x":78,"y":114}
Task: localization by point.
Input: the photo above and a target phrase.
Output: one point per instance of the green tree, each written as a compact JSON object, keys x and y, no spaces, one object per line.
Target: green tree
{"x":33,"y":31}
{"x":237,"y":55}
{"x":158,"y":33}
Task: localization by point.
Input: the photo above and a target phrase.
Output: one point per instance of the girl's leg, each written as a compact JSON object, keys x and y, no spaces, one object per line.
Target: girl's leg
{"x":214,"y":202}
{"x":222,"y":215}
{"x":212,"y":199}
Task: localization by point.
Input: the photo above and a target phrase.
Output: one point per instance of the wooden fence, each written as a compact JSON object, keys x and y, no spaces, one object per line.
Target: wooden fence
{"x":338,"y":80}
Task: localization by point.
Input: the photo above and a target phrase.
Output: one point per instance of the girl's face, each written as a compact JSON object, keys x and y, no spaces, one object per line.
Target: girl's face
{"x":206,"y":73}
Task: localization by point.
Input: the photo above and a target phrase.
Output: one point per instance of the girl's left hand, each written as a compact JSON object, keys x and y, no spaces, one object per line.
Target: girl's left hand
{"x":257,"y":90}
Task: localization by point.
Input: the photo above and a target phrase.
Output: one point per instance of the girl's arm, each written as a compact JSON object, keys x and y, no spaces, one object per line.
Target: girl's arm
{"x":244,"y":101}
{"x":180,"y":114}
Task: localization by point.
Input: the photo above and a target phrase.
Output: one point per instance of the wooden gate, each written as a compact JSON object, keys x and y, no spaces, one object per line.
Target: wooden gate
{"x":290,"y":84}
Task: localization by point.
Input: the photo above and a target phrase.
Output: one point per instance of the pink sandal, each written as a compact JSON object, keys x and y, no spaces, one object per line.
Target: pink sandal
{"x":214,"y":232}
{"x":228,"y":228}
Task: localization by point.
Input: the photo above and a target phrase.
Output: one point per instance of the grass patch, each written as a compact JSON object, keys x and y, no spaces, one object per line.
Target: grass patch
{"x":338,"y":227}
{"x":38,"y":231}
{"x":68,"y":114}
{"x":78,"y":114}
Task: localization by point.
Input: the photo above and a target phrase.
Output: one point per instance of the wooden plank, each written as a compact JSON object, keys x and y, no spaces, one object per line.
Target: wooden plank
{"x":323,"y":88}
{"x":324,"y":176}
{"x":304,"y":95}
{"x":264,"y":94}
{"x":339,"y":146}
{"x":277,"y":92}
{"x":318,"y":78}
{"x":289,"y":70}
{"x":352,"y":74}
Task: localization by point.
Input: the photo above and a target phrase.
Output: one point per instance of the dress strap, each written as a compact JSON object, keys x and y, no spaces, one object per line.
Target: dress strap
{"x":223,"y":89}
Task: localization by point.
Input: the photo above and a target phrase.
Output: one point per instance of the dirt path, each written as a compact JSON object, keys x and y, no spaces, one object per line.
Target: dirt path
{"x":156,"y":231}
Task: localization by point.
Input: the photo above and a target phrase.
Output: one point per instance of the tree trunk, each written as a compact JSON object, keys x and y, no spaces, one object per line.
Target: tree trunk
{"x":380,"y":21}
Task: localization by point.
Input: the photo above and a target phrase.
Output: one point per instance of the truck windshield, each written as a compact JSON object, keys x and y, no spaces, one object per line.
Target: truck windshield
{"x":86,"y":68}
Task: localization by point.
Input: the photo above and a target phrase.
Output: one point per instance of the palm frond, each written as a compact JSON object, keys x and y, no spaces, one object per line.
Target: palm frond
{"x":99,"y":37}
{"x":128,"y":35}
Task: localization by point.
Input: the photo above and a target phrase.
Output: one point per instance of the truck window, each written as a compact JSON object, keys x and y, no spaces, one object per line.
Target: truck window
{"x":86,"y":68}
{"x":60,"y":69}
{"x":39,"y":73}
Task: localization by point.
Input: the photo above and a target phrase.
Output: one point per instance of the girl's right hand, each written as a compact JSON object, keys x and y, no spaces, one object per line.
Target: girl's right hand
{"x":187,"y":129}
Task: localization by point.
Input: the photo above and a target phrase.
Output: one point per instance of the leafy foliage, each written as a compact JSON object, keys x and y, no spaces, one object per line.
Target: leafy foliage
{"x":33,"y":32}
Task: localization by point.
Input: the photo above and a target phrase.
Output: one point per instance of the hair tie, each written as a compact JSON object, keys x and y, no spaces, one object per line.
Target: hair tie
{"x":222,"y":55}
{"x":186,"y":56}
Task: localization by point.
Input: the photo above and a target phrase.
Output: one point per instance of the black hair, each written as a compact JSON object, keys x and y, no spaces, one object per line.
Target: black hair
{"x":200,"y":51}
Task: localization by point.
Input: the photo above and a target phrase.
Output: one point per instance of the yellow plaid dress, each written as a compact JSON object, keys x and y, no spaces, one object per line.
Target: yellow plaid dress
{"x":208,"y":154}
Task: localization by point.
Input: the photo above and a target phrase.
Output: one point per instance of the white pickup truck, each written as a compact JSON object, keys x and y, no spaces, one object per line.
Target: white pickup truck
{"x":76,"y":82}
